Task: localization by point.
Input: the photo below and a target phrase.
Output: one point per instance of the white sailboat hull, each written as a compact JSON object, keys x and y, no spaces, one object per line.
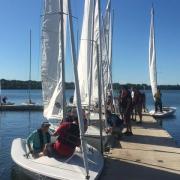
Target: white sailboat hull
{"x":167,"y":111}
{"x":57,"y":168}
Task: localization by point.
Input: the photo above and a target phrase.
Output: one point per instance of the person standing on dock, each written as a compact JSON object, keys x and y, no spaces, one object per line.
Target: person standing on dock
{"x":126,"y":103}
{"x":144,"y":102}
{"x":137,"y":104}
{"x":158,"y":101}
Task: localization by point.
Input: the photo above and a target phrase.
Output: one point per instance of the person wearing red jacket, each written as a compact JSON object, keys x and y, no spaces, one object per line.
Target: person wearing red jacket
{"x":68,"y":138}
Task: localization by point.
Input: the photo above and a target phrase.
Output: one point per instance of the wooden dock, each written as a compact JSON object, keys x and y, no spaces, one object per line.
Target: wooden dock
{"x":150,"y":154}
{"x":33,"y":107}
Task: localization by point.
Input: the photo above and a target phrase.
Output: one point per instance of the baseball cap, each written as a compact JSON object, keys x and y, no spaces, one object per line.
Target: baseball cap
{"x":45,"y":124}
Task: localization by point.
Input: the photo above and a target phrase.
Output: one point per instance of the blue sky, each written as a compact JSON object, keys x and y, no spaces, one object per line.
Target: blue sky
{"x":130,"y":44}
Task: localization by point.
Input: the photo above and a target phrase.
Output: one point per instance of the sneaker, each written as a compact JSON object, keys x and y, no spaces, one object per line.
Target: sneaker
{"x":126,"y":132}
{"x":139,"y":122}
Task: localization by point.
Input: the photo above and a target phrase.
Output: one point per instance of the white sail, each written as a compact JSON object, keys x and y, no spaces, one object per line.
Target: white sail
{"x":84,"y":58}
{"x":106,"y":47}
{"x":152,"y":56}
{"x":110,"y":53}
{"x":51,"y":68}
{"x":96,"y":40}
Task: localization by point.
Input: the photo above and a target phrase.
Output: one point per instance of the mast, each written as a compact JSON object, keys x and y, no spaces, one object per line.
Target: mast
{"x":62,"y":56}
{"x":78,"y":97}
{"x":29,"y":84}
{"x":0,"y":93}
{"x":99,"y":67}
{"x":100,"y":98}
{"x":91,"y":64}
{"x":110,"y":58}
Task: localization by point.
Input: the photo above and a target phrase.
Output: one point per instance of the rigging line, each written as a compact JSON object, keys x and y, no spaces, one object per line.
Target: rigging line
{"x":58,"y":13}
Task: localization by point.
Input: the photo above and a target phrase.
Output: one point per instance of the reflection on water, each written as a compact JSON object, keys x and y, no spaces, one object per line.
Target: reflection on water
{"x":14,"y":125}
{"x":20,"y":124}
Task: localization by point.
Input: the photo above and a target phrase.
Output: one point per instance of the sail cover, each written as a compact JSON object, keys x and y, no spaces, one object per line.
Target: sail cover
{"x":51,"y":67}
{"x":84,"y":58}
{"x":152,"y":56}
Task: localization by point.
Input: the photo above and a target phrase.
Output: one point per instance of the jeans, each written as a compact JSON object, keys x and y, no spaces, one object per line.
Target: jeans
{"x":158,"y":105}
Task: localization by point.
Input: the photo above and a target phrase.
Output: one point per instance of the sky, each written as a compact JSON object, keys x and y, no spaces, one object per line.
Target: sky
{"x":130,"y":40}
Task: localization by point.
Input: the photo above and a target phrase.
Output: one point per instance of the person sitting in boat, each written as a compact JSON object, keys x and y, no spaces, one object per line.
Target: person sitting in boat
{"x":115,"y":123}
{"x":72,"y":116}
{"x":4,"y":100}
{"x":37,"y":140}
{"x":68,"y":138}
{"x":158,"y":101}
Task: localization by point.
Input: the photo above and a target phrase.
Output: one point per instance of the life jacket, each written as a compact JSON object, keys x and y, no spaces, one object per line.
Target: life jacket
{"x":48,"y":137}
{"x":70,"y":136}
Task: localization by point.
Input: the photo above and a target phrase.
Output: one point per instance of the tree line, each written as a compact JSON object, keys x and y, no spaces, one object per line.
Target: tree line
{"x":17,"y":84}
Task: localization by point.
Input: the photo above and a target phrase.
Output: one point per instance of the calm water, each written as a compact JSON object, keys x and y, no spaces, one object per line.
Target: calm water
{"x":20,"y":124}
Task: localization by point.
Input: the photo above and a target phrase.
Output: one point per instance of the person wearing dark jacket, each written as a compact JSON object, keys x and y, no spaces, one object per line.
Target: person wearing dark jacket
{"x":68,"y":137}
{"x":158,"y":101}
{"x":127,"y":107}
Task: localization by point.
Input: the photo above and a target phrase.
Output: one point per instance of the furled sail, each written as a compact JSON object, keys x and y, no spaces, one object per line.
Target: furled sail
{"x":96,"y":40}
{"x":84,"y":58}
{"x":106,"y":48}
{"x":152,"y":56}
{"x":51,"y":68}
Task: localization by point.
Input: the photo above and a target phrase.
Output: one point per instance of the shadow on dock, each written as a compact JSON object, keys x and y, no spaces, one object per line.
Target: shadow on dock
{"x":150,"y":154}
{"x":117,"y":170}
{"x":150,"y":140}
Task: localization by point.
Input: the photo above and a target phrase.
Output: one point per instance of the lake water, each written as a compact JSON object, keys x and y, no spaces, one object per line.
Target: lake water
{"x":20,"y":124}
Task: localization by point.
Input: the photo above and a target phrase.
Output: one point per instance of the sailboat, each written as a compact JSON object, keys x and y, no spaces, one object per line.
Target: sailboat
{"x":86,"y":162}
{"x":29,"y":102}
{"x":167,"y":111}
{"x":88,"y":77}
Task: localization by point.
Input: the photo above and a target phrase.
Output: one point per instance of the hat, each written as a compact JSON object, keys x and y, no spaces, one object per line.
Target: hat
{"x":45,"y":124}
